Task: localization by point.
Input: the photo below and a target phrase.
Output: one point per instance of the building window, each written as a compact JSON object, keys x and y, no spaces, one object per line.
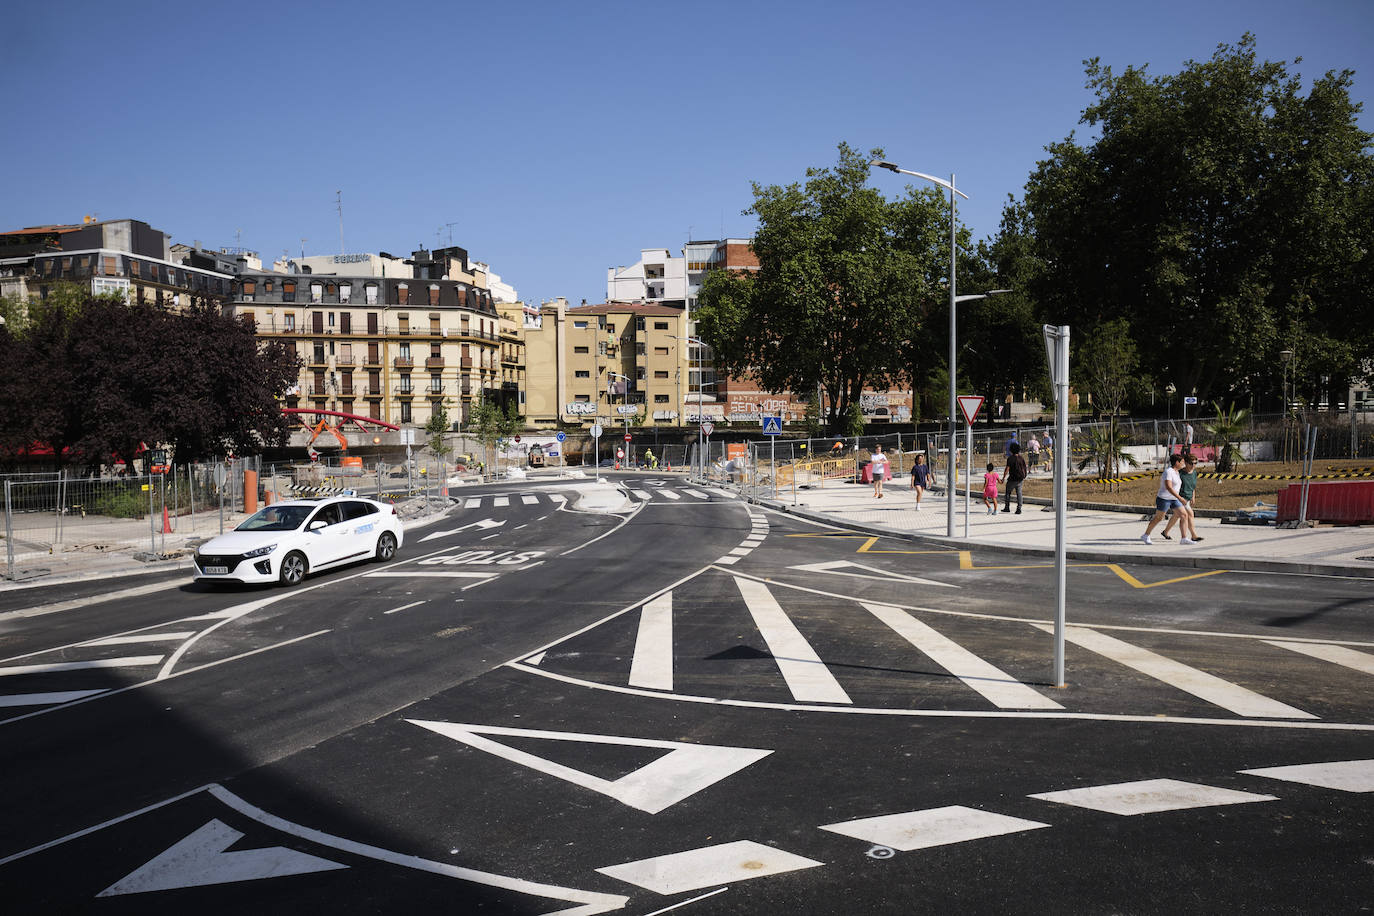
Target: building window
{"x":610,"y":329}
{"x":331,"y":319}
{"x":371,"y":291}
{"x":581,"y":350}
{"x":345,"y":323}
{"x":660,"y":373}
{"x":405,"y":411}
{"x":660,"y":325}
{"x":405,"y":349}
{"x":288,"y":291}
{"x":639,"y":324}
{"x":345,"y":290}
{"x":135,"y":268}
{"x":660,"y":351}
{"x":435,"y":349}
{"x":434,"y":294}
{"x":639,"y":348}
{"x":111,"y":266}
{"x":250,"y":318}
{"x":289,"y":319}
{"x":404,"y":387}
{"x":582,"y":397}
{"x":660,"y":399}
{"x":436,"y":383}
{"x":402,"y":294}
{"x":316,"y":292}
{"x":582,"y":373}
{"x":579,"y":325}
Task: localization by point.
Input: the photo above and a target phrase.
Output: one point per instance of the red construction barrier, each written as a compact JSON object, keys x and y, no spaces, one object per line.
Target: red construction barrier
{"x":1339,"y":502}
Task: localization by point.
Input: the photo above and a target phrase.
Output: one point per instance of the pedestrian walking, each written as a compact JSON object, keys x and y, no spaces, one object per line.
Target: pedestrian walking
{"x":1033,"y":446}
{"x":1169,"y":499}
{"x":1186,"y":488}
{"x":990,"y":481}
{"x":1006,"y":446}
{"x":1015,"y":475}
{"x":1048,"y":444}
{"x":1187,"y":438}
{"x":877,"y":465}
{"x":922,"y":478}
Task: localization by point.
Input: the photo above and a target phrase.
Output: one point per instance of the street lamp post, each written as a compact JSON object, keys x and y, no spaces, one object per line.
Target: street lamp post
{"x":701,"y":435}
{"x":953,"y":303}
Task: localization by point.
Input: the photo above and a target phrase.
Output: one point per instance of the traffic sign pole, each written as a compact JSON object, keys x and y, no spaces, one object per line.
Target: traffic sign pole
{"x":969,"y":405}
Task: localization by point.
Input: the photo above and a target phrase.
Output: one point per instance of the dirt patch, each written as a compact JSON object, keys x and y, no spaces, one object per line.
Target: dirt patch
{"x":1212,"y":493}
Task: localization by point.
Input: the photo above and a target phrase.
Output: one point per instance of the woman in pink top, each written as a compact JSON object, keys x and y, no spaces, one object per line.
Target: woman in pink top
{"x":990,"y":480}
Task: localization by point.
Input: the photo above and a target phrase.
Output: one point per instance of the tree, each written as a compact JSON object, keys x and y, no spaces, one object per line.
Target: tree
{"x":118,"y":376}
{"x":490,"y":424}
{"x":1219,"y":211}
{"x":1107,"y":364}
{"x":437,"y":426}
{"x":1107,"y":449}
{"x":1226,"y":430}
{"x":843,"y":284}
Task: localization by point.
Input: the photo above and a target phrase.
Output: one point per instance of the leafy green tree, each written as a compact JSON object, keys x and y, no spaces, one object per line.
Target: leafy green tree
{"x":437,"y":426}
{"x":1107,"y":449}
{"x":1219,"y":211}
{"x":811,"y":420}
{"x":1107,"y":366}
{"x":844,"y":282}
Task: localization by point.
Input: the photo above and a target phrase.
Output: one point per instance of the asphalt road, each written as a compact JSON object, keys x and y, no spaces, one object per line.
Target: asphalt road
{"x":692,"y":705}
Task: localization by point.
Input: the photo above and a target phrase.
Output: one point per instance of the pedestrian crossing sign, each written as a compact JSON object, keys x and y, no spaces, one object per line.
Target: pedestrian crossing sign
{"x":772,"y":426}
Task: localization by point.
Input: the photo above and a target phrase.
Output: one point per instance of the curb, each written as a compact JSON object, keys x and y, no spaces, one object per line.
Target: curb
{"x":1093,"y":556}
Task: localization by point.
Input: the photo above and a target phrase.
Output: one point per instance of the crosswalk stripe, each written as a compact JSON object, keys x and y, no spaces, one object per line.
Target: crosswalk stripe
{"x":1340,"y":655}
{"x":697,"y":493}
{"x":132,"y":661}
{"x":473,"y":502}
{"x":802,"y":669}
{"x":529,"y":500}
{"x":558,"y":497}
{"x":670,"y":494}
{"x":639,"y":494}
{"x":912,"y":830}
{"x":652,"y":666}
{"x":995,"y":685}
{"x":1204,"y":686}
{"x":501,"y":501}
{"x":708,"y":866}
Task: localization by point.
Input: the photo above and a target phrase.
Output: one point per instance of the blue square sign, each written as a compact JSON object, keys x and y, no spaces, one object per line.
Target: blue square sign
{"x":772,"y":426}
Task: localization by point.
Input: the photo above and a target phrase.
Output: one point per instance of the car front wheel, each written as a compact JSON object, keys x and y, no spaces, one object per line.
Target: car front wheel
{"x":386,"y":546}
{"x":293,"y":569}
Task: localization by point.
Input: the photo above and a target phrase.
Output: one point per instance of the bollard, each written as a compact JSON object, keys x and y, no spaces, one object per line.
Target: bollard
{"x":250,"y":491}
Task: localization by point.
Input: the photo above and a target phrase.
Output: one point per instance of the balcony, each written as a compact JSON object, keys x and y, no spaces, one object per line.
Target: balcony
{"x":372,"y":359}
{"x":405,"y":391}
{"x":317,"y":359}
{"x":434,"y":362}
{"x":369,"y":392}
{"x":436,"y":389}
{"x":403,"y":362}
{"x":345,"y":361}
{"x":465,"y":362}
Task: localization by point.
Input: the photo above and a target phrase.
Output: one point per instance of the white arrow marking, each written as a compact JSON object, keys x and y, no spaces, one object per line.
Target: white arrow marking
{"x":200,"y":859}
{"x":683,"y":772}
{"x":837,"y":568}
{"x":482,"y":525}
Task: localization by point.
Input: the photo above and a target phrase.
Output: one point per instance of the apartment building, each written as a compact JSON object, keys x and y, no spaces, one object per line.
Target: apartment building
{"x":388,"y":347}
{"x":123,"y":256}
{"x":608,"y":361}
{"x":656,"y":277}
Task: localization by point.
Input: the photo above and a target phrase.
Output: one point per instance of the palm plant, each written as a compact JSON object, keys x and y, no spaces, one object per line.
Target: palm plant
{"x":1107,"y":448}
{"x":1225,"y":430}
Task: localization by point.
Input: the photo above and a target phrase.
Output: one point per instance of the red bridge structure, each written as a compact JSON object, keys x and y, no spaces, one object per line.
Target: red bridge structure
{"x":336,"y":422}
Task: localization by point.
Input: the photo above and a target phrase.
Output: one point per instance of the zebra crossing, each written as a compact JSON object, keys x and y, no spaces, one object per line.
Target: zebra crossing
{"x":912,"y":658}
{"x":659,"y":495}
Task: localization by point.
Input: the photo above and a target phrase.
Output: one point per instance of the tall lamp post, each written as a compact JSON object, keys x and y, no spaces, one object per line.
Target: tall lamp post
{"x":954,"y":300}
{"x":701,"y":437}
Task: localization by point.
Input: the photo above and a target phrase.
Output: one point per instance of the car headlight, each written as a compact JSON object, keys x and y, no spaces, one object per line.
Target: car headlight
{"x":260,"y":551}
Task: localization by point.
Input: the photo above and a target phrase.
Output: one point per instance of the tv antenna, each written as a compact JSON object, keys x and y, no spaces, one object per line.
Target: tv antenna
{"x":303,"y":241}
{"x":338,"y":205}
{"x":450,"y":233}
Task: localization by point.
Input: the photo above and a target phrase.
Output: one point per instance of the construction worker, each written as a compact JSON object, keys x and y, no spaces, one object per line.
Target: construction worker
{"x":651,"y":458}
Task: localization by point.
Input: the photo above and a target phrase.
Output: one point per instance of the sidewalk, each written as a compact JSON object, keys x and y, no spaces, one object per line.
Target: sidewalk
{"x":1093,"y":535}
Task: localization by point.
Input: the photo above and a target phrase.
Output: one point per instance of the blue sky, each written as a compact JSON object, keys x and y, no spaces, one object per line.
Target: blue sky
{"x":561,"y":138}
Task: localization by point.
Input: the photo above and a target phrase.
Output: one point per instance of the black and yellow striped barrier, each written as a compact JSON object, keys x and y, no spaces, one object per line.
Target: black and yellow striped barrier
{"x":1210,"y":475}
{"x":1108,"y":479}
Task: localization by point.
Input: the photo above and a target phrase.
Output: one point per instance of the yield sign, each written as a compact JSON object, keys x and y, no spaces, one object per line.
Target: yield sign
{"x":970,"y":404}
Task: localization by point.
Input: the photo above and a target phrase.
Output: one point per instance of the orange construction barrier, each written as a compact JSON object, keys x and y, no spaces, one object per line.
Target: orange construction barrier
{"x":250,"y":491}
{"x":166,"y":522}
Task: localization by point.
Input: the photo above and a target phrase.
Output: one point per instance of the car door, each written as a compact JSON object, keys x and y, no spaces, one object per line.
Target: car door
{"x":330,"y":543}
{"x":362,"y":519}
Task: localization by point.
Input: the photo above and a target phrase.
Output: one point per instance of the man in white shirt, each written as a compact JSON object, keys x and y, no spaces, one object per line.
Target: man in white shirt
{"x":877,"y":464}
{"x":1169,"y":498}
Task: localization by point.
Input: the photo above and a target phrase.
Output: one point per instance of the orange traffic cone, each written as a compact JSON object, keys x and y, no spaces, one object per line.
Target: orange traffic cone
{"x":166,"y":522}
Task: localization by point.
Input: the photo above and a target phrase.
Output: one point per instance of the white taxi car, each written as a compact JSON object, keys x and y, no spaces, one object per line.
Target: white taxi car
{"x":287,"y":540}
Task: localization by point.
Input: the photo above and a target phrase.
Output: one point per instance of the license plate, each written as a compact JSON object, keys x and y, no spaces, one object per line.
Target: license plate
{"x":216,"y":570}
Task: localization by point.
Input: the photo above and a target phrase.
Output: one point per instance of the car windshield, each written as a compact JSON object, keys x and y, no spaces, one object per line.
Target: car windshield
{"x":276,"y":518}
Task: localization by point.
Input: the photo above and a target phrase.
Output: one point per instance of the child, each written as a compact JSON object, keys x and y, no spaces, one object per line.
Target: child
{"x":990,"y":480}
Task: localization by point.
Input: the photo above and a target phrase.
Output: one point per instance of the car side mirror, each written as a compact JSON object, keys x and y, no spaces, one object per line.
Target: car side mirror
{"x":317,"y":524}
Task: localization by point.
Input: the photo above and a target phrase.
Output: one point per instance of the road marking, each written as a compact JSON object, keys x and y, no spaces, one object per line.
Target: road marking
{"x":432,"y":575}
{"x":802,"y":669}
{"x":1204,"y":686}
{"x":1350,"y":658}
{"x":500,"y":501}
{"x":129,"y":661}
{"x":639,"y":494}
{"x":966,"y":562}
{"x":404,"y":607}
{"x":995,"y":685}
{"x":529,"y":500}
{"x":932,"y":827}
{"x":708,"y":867}
{"x":727,"y":561}
{"x":741,"y":551}
{"x":1343,"y":775}
{"x":753,"y":540}
{"x":479,"y":525}
{"x":200,"y":859}
{"x":535,"y":659}
{"x":1150,"y":796}
{"x":145,"y":637}
{"x":53,"y":608}
{"x":679,"y":774}
{"x":670,"y":494}
{"x":652,"y":666}
{"x":681,"y":904}
{"x":473,"y":502}
{"x":697,"y":493}
{"x":558,"y":497}
{"x":44,"y":699}
{"x":842,"y":567}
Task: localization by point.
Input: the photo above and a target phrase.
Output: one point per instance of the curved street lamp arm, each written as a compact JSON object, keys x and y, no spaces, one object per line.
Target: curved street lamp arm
{"x":892,"y":167}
